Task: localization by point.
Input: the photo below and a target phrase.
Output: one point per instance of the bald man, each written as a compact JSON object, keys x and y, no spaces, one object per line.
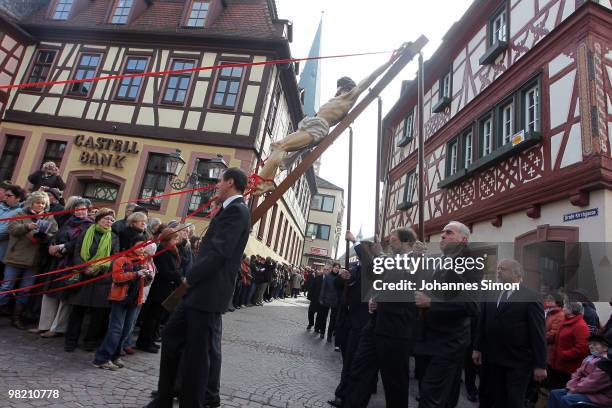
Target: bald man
{"x":511,"y":343}
{"x":445,"y":324}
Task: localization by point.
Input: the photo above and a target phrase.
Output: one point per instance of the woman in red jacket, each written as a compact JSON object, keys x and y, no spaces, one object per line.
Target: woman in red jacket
{"x":570,"y":346}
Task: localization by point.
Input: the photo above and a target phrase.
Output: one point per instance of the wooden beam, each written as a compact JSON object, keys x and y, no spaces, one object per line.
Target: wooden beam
{"x":406,"y":56}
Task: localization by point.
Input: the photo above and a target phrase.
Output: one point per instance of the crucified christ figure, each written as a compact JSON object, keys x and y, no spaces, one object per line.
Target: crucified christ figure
{"x":311,"y":130}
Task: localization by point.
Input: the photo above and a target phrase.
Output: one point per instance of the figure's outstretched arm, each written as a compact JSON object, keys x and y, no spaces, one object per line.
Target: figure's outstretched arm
{"x":365,"y":84}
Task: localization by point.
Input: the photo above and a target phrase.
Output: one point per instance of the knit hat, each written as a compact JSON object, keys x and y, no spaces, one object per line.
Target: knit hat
{"x":56,"y":193}
{"x":103,"y":212}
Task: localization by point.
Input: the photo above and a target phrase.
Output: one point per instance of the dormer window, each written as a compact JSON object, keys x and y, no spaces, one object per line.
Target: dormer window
{"x":498,"y":28}
{"x":497,"y":35}
{"x":62,"y":9}
{"x":122,"y":11}
{"x":445,"y":92}
{"x":197,"y":13}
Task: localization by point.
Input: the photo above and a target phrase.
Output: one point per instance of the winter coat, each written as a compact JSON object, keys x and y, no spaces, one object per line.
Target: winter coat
{"x":125,"y":274}
{"x":571,"y":345}
{"x":296,"y":281}
{"x":25,"y":248}
{"x":93,"y":294}
{"x":554,"y":319}
{"x":591,"y":318}
{"x":329,"y":294}
{"x":168,"y":275}
{"x":67,"y":235}
{"x":186,"y":255}
{"x":593,"y":382}
{"x":7,"y":212}
{"x":39,"y":179}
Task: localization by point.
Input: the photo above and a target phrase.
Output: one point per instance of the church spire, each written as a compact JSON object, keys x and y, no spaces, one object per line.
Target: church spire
{"x":310,"y":79}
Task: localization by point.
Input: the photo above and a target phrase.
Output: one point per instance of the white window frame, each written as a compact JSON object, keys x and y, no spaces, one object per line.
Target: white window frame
{"x":507,"y":123}
{"x":499,"y":29}
{"x":445,"y":89}
{"x":452,"y":154}
{"x":487,"y":136}
{"x":409,"y":188}
{"x":468,"y":149}
{"x":531,"y":100}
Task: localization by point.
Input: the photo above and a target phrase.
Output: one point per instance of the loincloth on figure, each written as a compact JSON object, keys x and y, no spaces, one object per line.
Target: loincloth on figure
{"x":316,"y":127}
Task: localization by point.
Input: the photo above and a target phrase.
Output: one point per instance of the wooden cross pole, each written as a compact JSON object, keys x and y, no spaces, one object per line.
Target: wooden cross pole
{"x":407,"y":55}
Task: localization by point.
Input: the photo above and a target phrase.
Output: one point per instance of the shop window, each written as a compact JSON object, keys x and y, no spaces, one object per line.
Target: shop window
{"x":100,"y":191}
{"x":155,"y":179}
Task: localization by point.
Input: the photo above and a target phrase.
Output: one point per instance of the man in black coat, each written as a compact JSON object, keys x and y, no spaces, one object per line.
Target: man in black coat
{"x":511,"y":343}
{"x":388,"y":344}
{"x":445,"y":323}
{"x":314,"y":291}
{"x":195,"y":326}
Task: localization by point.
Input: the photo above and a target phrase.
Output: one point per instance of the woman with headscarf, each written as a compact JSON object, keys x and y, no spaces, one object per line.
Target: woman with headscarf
{"x":97,"y":242}
{"x":28,"y":237}
{"x":55,"y":310}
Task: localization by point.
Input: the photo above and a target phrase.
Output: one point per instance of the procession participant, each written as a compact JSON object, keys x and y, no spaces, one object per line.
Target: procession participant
{"x":195,"y":326}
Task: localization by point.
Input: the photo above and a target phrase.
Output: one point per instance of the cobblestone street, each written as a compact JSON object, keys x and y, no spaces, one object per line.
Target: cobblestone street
{"x":269,"y":360}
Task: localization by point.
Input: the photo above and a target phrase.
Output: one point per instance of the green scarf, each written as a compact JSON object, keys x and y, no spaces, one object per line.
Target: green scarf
{"x":104,"y":246}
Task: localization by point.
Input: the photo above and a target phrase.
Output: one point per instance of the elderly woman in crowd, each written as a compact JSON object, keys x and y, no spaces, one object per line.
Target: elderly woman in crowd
{"x":47,"y":177}
{"x":55,"y":311}
{"x":570,"y":346}
{"x":28,"y":238}
{"x":130,"y":275}
{"x":136,"y":227}
{"x":97,"y":242}
{"x":168,"y":264}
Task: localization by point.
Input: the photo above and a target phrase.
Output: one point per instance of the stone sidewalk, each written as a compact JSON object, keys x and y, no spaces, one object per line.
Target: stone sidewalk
{"x":269,"y":360}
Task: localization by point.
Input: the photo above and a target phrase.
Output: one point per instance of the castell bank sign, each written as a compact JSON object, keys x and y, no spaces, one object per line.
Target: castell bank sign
{"x":104,"y":151}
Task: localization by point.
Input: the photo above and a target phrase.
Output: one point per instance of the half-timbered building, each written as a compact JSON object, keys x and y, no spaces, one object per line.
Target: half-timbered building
{"x":112,"y":139}
{"x":517,"y":127}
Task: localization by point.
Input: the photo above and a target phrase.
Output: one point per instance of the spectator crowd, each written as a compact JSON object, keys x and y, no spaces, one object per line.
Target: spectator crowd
{"x":113,"y":304}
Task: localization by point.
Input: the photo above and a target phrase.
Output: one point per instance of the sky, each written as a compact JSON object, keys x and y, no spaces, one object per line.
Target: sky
{"x":356,"y":26}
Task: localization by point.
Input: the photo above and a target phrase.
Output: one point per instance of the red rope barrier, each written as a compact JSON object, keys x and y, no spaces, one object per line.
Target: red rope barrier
{"x":180,"y":71}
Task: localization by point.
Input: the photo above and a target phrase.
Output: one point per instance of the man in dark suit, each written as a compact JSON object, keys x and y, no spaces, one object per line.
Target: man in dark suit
{"x":511,"y":343}
{"x":390,"y":346}
{"x":444,"y":324}
{"x":314,"y":291}
{"x":195,"y":326}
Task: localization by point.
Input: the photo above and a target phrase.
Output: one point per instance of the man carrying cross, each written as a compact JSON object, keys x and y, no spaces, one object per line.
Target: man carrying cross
{"x":311,"y":130}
